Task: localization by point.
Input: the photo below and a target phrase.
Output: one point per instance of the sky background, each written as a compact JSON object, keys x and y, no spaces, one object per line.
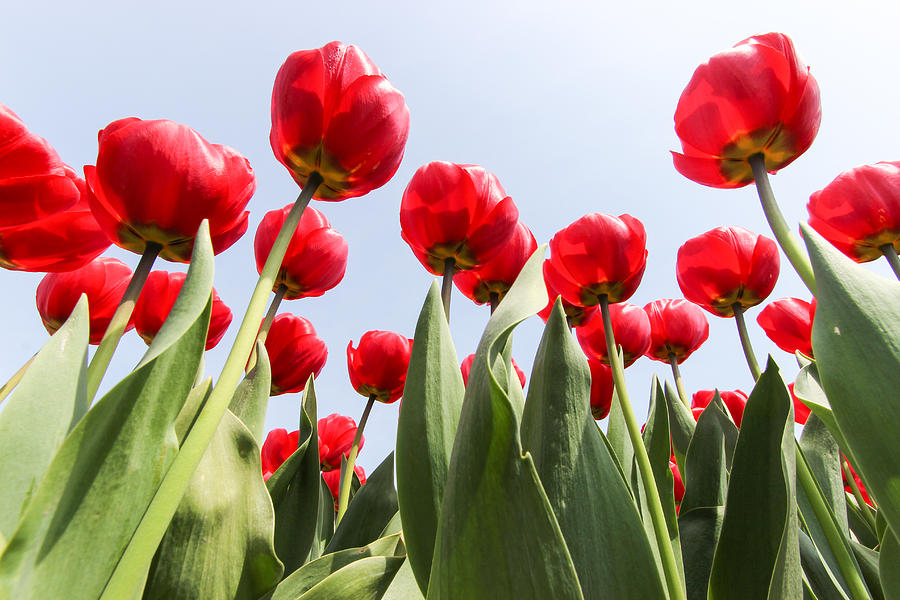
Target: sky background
{"x":570,"y":105}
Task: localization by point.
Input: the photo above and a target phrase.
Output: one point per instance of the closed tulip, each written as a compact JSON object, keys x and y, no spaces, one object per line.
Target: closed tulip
{"x":295,"y":352}
{"x":466,"y":367}
{"x":277,"y":448}
{"x":494,"y":278}
{"x":336,"y":434}
{"x":631,"y":330}
{"x":576,"y":314}
{"x":601,"y":388}
{"x":333,"y":479}
{"x":788,"y":323}
{"x":378,"y":365}
{"x":734,"y":401}
{"x":677,"y":327}
{"x":334,"y":113}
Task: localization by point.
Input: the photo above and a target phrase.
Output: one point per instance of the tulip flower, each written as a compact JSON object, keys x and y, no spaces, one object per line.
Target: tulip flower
{"x":103,"y":280}
{"x":466,"y":367}
{"x":316,"y":256}
{"x":277,"y":448}
{"x":295,"y":352}
{"x":378,"y":365}
{"x":859,"y":212}
{"x":576,"y":315}
{"x":631,"y":329}
{"x":678,"y":489}
{"x":156,"y":181}
{"x":734,"y":401}
{"x":336,"y":433}
{"x":598,"y":255}
{"x":332,"y":479}
{"x":601,"y":388}
{"x":757,"y":98}
{"x":334,"y":113}
{"x":801,"y":411}
{"x":677,"y":328}
{"x":155,"y":303}
{"x":788,"y":323}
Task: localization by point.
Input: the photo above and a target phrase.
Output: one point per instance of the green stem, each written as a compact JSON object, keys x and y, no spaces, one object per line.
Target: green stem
{"x":890,"y":253}
{"x":133,"y":565}
{"x":676,"y":372}
{"x":347,"y":473}
{"x":119,"y":322}
{"x":266,"y":324}
{"x":654,"y":504}
{"x":863,"y":505}
{"x":447,"y":285}
{"x":745,"y":340}
{"x":825,"y":517}
{"x":786,"y":239}
{"x":15,"y":379}
{"x":495,"y":301}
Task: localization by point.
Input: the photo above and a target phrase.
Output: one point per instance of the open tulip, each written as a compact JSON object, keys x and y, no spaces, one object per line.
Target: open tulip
{"x":727,"y":266}
{"x":334,"y":113}
{"x":734,"y":401}
{"x":277,"y":448}
{"x":157,"y":299}
{"x":631,"y":330}
{"x":755,"y":98}
{"x":601,"y":388}
{"x":378,"y":365}
{"x":490,"y":282}
{"x":466,"y":367}
{"x":788,"y":323}
{"x":336,"y":434}
{"x":295,"y":352}
{"x":104,"y":280}
{"x":333,"y":478}
{"x":316,"y":257}
{"x":576,"y":314}
{"x":598,"y":254}
{"x":155,"y":182}
{"x":677,"y":328}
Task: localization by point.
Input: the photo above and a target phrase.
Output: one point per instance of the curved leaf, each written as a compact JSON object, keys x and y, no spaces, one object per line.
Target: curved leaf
{"x":251,"y":398}
{"x":371,"y":509}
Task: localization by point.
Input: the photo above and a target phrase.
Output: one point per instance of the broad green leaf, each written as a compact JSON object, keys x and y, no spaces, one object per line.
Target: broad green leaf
{"x":681,"y":424}
{"x":858,"y":525}
{"x":191,"y":408}
{"x":619,"y":440}
{"x":324,"y":521}
{"x":856,"y":340}
{"x":820,"y":578}
{"x":220,"y":541}
{"x":808,"y":389}
{"x":888,"y":559}
{"x":105,"y":474}
{"x":579,"y":474}
{"x":868,"y":563}
{"x":365,"y":579}
{"x":404,"y":586}
{"x":251,"y":398}
{"x":426,"y":427}
{"x":758,"y":551}
{"x":46,"y":404}
{"x":393,"y":526}
{"x":498,"y":536}
{"x":371,"y":509}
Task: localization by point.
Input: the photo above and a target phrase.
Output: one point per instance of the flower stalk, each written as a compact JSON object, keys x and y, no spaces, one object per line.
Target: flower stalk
{"x":266,"y":324}
{"x":857,"y":494}
{"x":745,"y":340}
{"x":447,"y":284}
{"x":679,"y":383}
{"x":347,"y":472}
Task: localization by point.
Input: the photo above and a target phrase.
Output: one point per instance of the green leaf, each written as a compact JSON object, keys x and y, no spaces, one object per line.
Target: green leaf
{"x":49,"y":400}
{"x":856,"y":340}
{"x":251,"y":398}
{"x":99,"y":484}
{"x":820,"y":578}
{"x":191,"y":408}
{"x":681,"y":425}
{"x":758,"y":551}
{"x":324,"y":521}
{"x":580,"y":476}
{"x":369,"y":512}
{"x":404,"y":586}
{"x":393,"y":526}
{"x":619,"y":440}
{"x":220,"y":541}
{"x":868,"y":562}
{"x":808,"y":389}
{"x":426,"y":428}
{"x":498,"y":536}
{"x":888,"y":559}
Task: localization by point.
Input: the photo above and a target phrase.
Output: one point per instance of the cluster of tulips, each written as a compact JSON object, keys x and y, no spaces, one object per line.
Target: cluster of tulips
{"x":163,"y":489}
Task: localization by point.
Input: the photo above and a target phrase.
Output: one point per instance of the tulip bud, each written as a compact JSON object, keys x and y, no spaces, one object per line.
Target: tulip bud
{"x":295,"y":352}
{"x":378,"y":366}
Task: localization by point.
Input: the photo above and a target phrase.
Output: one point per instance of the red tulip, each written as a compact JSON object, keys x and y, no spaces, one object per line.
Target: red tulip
{"x":755,"y":98}
{"x":734,"y":401}
{"x":334,"y":113}
{"x":316,"y":256}
{"x":497,"y":275}
{"x":601,"y":388}
{"x":336,"y":433}
{"x":678,"y":488}
{"x":103,"y":280}
{"x":727,"y":266}
{"x":333,"y":479}
{"x":677,"y":327}
{"x":466,"y":367}
{"x":576,"y":314}
{"x":788,"y":322}
{"x":295,"y":352}
{"x":155,"y":303}
{"x":277,"y":448}
{"x":378,"y":366}
{"x":801,"y":411}
{"x":631,"y":330}
{"x":598,"y":254}
{"x":155,"y":181}
{"x":859,"y":211}
{"x":456,"y":211}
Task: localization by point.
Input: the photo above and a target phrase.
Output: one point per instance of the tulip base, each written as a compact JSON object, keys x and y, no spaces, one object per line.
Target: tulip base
{"x":347,"y":473}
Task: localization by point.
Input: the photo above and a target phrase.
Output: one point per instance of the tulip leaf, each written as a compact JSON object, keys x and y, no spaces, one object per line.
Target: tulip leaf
{"x":498,"y":536}
{"x":192,"y":406}
{"x":426,"y":428}
{"x":761,"y":492}
{"x":105,"y":474}
{"x":393,"y":526}
{"x":46,"y":404}
{"x":619,"y":440}
{"x":856,"y":340}
{"x":868,"y":564}
{"x":819,"y":577}
{"x":251,"y":398}
{"x":404,"y":586}
{"x":808,"y":388}
{"x":888,"y":559}
{"x":220,"y":541}
{"x":681,"y":425}
{"x":728,"y":428}
{"x":365,"y":579}
{"x":369,"y":512}
{"x":580,"y":476}
{"x":324,"y":520}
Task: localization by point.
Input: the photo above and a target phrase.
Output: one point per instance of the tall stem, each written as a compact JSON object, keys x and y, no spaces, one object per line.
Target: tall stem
{"x":266,"y":324}
{"x":890,"y":253}
{"x":654,"y":504}
{"x":347,"y":473}
{"x":495,"y":301}
{"x":15,"y":379}
{"x":132,"y":567}
{"x":447,"y":285}
{"x":676,"y":373}
{"x":745,"y":340}
{"x":857,"y":493}
{"x":119,"y":322}
{"x":786,"y":239}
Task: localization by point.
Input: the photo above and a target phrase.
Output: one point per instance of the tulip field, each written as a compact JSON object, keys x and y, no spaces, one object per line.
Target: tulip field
{"x":538,"y":481}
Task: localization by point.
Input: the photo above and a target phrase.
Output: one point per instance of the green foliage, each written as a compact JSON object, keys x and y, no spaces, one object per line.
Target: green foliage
{"x":251,"y":398}
{"x":370,"y":510}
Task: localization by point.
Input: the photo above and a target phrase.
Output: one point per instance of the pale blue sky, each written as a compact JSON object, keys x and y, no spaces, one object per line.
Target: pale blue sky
{"x":571,"y":106}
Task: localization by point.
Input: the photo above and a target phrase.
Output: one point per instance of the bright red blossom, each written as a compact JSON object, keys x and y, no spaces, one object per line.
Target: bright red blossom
{"x":631,"y":330}
{"x":378,"y":366}
{"x":277,"y":448}
{"x":678,"y":483}
{"x":103,"y":280}
{"x":466,"y":367}
{"x":734,"y":401}
{"x":295,"y":352}
{"x":801,"y":411}
{"x":677,"y":327}
{"x":497,"y":275}
{"x":788,"y":323}
{"x":601,"y":388}
{"x":576,"y":314}
{"x":333,"y":479}
{"x":336,"y":433}
{"x":334,"y":113}
{"x":755,"y":98}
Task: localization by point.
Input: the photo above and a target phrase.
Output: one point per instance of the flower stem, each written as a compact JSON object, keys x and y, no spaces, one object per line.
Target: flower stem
{"x":132,"y":567}
{"x":786,"y":239}
{"x":447,"y":285}
{"x":745,"y":340}
{"x":266,"y":324}
{"x":15,"y":379}
{"x":119,"y":322}
{"x":676,"y":372}
{"x":654,"y":504}
{"x":890,"y":253}
{"x":495,"y":301}
{"x":863,"y":505}
{"x":347,"y":474}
